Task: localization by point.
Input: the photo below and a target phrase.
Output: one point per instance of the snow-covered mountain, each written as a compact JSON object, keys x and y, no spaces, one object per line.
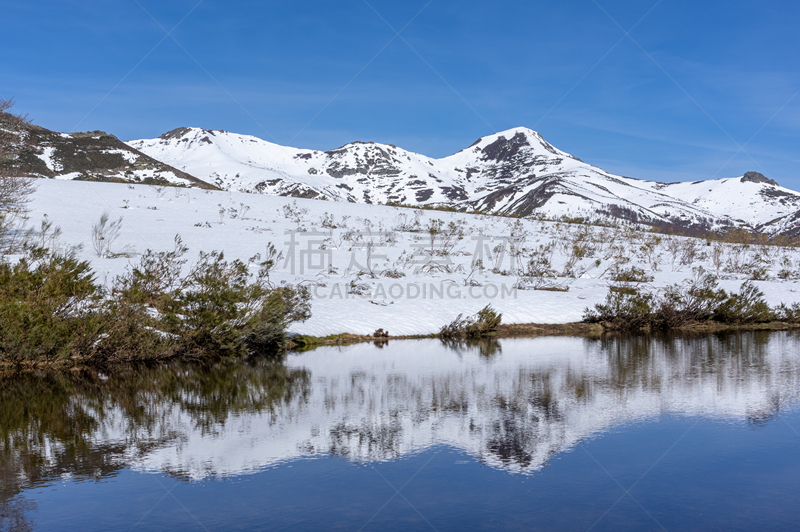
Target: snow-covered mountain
{"x":512,"y":172}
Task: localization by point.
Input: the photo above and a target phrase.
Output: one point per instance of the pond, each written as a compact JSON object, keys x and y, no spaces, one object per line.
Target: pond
{"x":555,"y":433}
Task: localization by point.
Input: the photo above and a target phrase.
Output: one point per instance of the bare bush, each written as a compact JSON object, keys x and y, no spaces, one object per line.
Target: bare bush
{"x":105,"y":234}
{"x":683,"y":251}
{"x":294,"y":213}
{"x":405,"y":224}
{"x":650,"y":252}
{"x":718,"y":256}
{"x":444,"y":237}
{"x":738,"y":258}
{"x":538,"y":268}
{"x":15,"y":190}
{"x":618,"y":256}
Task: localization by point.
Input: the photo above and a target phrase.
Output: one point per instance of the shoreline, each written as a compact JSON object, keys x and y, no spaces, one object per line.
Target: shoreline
{"x":304,"y":343}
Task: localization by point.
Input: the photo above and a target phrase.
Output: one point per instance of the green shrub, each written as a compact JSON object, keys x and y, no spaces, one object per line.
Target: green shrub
{"x":483,"y":323}
{"x":216,"y":307}
{"x":694,"y":300}
{"x":281,"y":307}
{"x":698,"y":299}
{"x":631,"y":275}
{"x":50,"y":309}
{"x":622,"y":311}
{"x":748,"y":306}
{"x":213,"y":307}
{"x":759,"y":273}
{"x":788,"y":314}
{"x":627,"y":290}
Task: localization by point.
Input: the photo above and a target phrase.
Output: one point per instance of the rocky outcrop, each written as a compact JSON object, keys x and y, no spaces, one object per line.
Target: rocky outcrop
{"x":755,"y":177}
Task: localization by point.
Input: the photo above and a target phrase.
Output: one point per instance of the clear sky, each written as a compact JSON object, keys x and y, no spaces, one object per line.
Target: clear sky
{"x":672,"y":90}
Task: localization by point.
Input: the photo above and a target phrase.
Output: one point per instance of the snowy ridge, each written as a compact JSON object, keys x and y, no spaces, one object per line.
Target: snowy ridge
{"x":511,"y":172}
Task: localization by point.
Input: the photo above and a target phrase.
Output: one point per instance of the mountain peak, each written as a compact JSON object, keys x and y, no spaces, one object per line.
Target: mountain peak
{"x":507,"y":133}
{"x":189,"y":135}
{"x":504,"y":145}
{"x":176,"y":133}
{"x":756,"y":177}
{"x":514,"y":172}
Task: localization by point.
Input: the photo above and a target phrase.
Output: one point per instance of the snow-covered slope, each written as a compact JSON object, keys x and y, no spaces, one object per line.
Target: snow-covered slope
{"x":409,"y":271}
{"x":751,"y":199}
{"x":511,"y":172}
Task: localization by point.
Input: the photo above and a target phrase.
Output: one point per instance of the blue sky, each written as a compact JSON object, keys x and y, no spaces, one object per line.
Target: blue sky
{"x":695,"y":90}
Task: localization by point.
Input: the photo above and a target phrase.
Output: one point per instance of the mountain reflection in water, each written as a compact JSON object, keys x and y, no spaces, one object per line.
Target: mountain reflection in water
{"x":512,"y":404}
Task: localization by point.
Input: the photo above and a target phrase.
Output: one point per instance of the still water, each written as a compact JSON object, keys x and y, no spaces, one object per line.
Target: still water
{"x":636,"y":433}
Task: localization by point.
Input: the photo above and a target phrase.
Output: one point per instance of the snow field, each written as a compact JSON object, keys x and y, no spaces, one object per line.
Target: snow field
{"x":332,"y":241}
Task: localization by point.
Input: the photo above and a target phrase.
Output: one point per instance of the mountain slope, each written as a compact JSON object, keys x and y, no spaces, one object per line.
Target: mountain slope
{"x":90,"y":156}
{"x":513,"y":172}
{"x":752,"y":200}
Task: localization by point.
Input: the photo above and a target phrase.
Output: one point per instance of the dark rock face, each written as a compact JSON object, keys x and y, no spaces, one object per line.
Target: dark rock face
{"x":424,"y":194}
{"x":302,"y":192}
{"x":755,"y":177}
{"x":455,"y":193}
{"x":369,"y":160}
{"x":490,"y":201}
{"x":176,"y":133}
{"x":504,"y":149}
